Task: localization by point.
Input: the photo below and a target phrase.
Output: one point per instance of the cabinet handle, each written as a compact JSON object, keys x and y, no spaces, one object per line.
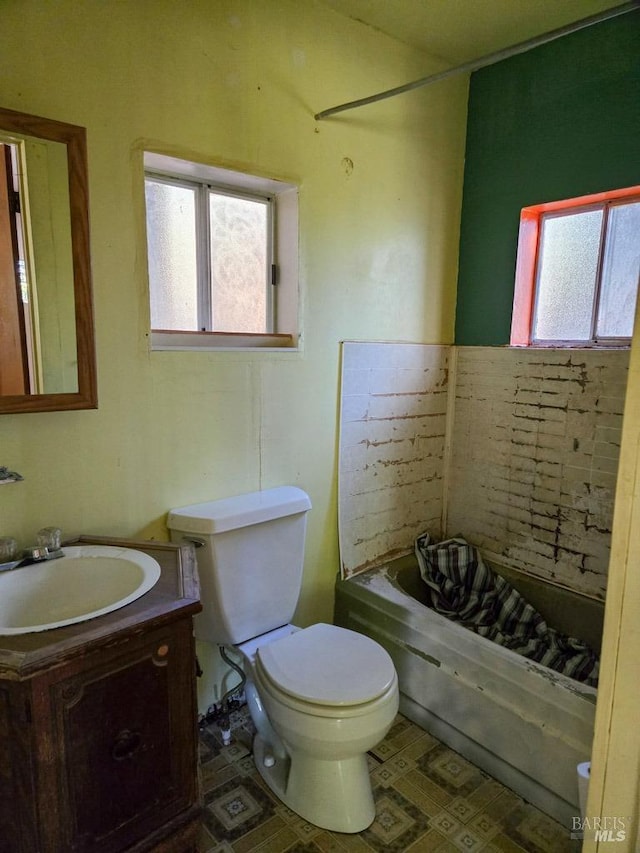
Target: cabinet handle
{"x":126,"y":744}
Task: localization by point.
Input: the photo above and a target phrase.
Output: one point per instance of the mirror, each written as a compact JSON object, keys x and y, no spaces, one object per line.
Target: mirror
{"x":47,"y":345}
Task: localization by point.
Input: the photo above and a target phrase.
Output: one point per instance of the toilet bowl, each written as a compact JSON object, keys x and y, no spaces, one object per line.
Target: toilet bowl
{"x":327,"y":695}
{"x":320,"y":697}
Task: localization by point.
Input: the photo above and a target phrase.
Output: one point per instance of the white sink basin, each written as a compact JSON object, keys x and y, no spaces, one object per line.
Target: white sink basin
{"x":89,"y":581}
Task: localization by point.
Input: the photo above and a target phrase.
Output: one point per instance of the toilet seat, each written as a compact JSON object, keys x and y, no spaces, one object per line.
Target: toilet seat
{"x":330,"y":668}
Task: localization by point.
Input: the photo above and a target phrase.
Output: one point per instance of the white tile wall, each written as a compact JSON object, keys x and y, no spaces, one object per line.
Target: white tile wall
{"x":534,"y":454}
{"x":392,"y":435}
{"x":530,"y":472}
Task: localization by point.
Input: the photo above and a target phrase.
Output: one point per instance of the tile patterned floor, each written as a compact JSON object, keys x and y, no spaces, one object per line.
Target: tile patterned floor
{"x":429,"y":799}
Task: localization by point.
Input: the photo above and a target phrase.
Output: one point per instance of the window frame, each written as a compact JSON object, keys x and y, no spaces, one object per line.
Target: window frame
{"x":526,"y":276}
{"x":281,"y":199}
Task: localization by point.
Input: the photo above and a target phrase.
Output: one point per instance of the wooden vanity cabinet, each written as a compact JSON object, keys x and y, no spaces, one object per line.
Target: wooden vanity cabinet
{"x":98,"y":729}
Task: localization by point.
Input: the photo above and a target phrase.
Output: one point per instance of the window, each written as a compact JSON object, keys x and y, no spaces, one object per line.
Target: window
{"x":222,"y":253}
{"x":578,"y":271}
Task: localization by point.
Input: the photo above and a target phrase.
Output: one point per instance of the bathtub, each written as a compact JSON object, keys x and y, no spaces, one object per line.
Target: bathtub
{"x":525,"y":725}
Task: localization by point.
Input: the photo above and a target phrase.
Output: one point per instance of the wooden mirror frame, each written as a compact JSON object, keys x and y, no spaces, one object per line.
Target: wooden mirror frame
{"x":75,"y":140}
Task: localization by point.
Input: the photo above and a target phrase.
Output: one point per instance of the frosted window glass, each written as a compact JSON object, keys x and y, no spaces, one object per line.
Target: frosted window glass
{"x":620,"y":272}
{"x":238,"y":264}
{"x":171,"y":237}
{"x":568,"y":262}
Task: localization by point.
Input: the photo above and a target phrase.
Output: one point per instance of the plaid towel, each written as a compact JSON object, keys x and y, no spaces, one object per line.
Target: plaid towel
{"x":463,"y":588}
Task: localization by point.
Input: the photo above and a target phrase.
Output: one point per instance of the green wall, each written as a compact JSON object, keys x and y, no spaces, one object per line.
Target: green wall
{"x":560,"y":121}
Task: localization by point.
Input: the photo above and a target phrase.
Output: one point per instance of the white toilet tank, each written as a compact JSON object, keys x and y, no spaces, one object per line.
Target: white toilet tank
{"x":250,"y":563}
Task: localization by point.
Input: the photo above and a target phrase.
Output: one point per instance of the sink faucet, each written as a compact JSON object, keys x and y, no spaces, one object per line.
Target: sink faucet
{"x":8,"y":553}
{"x":47,"y":548}
{"x":50,"y":537}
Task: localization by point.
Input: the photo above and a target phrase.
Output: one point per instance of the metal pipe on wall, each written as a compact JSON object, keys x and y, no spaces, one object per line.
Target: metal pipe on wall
{"x":483,"y":61}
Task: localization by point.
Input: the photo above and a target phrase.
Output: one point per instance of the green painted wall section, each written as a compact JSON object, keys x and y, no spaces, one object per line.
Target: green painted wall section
{"x":560,"y":121}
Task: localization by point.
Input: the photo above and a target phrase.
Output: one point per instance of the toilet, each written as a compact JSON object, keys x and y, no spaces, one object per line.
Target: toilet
{"x":319,"y":697}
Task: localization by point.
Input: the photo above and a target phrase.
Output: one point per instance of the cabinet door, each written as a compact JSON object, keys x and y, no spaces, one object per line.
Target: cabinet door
{"x":128,"y":732}
{"x":18,"y":825}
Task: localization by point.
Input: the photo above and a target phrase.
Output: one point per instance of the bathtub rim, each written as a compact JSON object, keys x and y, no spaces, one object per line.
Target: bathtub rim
{"x":384,"y":578}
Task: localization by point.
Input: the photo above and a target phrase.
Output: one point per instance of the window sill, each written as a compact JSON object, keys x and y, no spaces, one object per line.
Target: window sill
{"x":220,"y":341}
{"x":559,"y":345}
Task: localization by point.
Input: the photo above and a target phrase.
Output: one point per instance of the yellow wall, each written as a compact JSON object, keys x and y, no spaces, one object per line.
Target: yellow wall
{"x":236,"y":81}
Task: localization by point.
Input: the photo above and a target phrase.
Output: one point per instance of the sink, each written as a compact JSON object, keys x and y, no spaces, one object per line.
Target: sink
{"x":88,"y":581}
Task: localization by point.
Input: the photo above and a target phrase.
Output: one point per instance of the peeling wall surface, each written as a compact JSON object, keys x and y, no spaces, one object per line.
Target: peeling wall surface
{"x":392,"y":440}
{"x":534,"y":456}
{"x":530,"y":471}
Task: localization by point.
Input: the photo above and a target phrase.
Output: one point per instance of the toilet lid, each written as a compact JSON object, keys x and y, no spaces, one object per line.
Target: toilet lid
{"x":328,"y":665}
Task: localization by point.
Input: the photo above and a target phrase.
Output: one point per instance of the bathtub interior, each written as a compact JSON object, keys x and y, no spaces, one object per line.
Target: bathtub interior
{"x":569,"y":612}
{"x":525,"y":725}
